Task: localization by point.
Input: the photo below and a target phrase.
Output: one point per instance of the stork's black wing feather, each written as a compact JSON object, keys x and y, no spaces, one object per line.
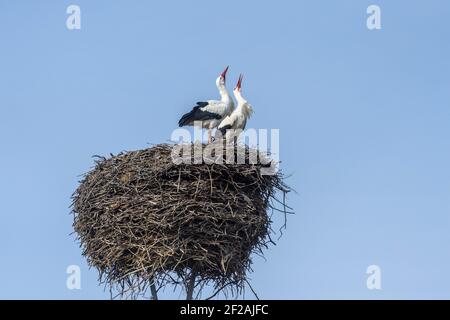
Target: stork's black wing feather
{"x":201,"y":104}
{"x":224,"y":129}
{"x":197,"y":114}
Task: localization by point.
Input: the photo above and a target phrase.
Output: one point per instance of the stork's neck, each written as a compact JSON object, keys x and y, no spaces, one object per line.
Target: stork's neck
{"x":243,"y":106}
{"x":239,"y":98}
{"x":224,"y":95}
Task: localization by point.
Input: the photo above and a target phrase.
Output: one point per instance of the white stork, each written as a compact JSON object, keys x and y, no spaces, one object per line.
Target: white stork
{"x":237,"y":120}
{"x":211,"y":112}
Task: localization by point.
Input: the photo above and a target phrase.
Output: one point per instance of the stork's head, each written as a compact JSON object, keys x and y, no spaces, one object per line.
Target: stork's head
{"x":237,"y":89}
{"x":222,"y":77}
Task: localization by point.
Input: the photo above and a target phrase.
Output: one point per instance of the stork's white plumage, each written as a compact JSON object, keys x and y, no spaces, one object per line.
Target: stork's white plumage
{"x":210,"y":113}
{"x":237,"y":120}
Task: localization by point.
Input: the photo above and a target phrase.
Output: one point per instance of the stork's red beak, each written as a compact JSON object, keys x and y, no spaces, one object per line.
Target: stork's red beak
{"x":224,"y":73}
{"x":239,"y":83}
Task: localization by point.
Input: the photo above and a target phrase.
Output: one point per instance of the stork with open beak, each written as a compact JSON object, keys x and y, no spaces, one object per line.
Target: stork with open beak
{"x":238,"y":118}
{"x":211,"y":112}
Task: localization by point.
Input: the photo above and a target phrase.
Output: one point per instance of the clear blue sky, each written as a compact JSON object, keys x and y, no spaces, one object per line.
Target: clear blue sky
{"x":364,"y":119}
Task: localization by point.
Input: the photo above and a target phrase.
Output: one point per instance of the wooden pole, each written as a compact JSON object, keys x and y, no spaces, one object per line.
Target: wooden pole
{"x":190,"y":286}
{"x":153,"y":289}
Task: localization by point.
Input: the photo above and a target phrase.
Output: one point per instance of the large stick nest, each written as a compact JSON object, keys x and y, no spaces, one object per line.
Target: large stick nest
{"x":141,"y":219}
